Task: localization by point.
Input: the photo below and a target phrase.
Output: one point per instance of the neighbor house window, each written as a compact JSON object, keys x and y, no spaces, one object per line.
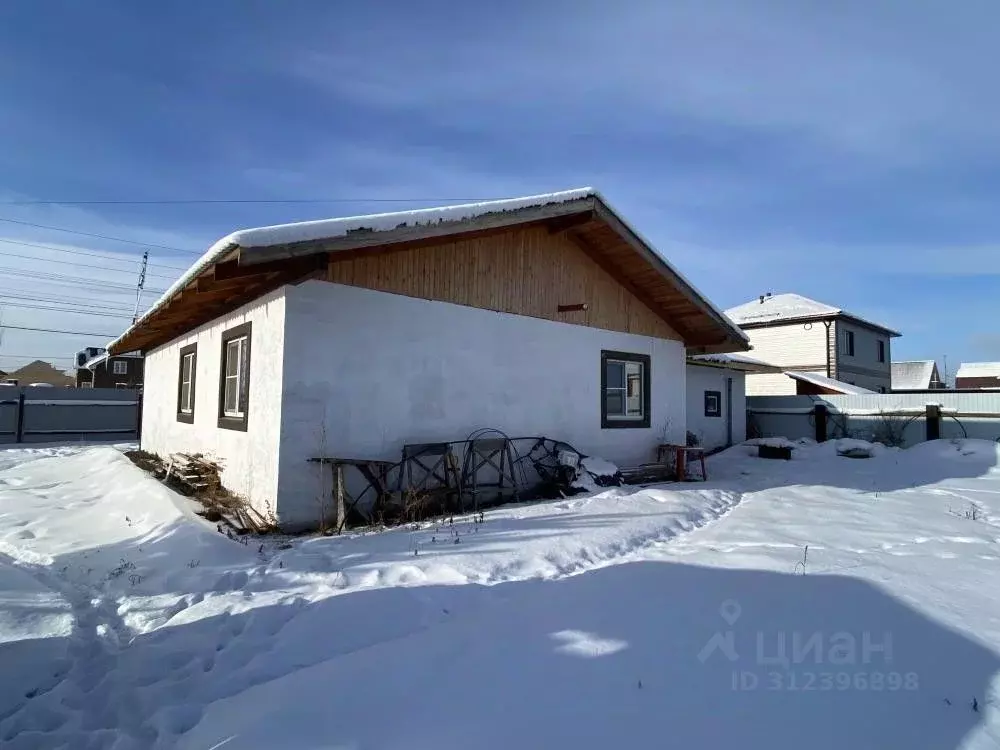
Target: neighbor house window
{"x":234,"y":378}
{"x":849,"y":343}
{"x":121,"y":385}
{"x":625,"y":396}
{"x":186,"y":383}
{"x":881,"y":351}
{"x":119,"y":367}
{"x":713,"y":403}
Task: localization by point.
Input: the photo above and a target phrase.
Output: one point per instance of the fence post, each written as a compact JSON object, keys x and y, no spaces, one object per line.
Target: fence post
{"x":820,"y":417}
{"x":933,"y":421}
{"x":20,"y":416}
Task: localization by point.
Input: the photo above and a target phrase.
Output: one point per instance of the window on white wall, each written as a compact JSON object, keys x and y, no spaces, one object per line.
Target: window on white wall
{"x":234,"y":378}
{"x":186,"y":383}
{"x":119,"y":367}
{"x":625,"y":396}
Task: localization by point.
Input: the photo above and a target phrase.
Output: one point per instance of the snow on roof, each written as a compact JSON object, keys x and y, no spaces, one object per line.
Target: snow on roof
{"x":912,"y":376}
{"x":734,"y":361}
{"x":978,"y":370}
{"x":303,"y":231}
{"x":824,"y":382}
{"x":788,"y":307}
{"x":284,"y":234}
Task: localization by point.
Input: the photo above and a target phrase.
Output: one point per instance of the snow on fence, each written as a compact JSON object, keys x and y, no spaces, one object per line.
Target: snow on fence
{"x":46,"y":415}
{"x":895,"y":418}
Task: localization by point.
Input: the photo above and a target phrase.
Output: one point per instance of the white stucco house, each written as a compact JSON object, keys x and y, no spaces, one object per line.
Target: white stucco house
{"x":803,"y":335}
{"x":716,"y":397}
{"x":546,"y":315}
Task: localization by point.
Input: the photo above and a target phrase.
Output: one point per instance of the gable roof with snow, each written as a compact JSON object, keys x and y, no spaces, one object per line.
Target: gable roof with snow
{"x":916,"y":375}
{"x":978,"y":370}
{"x":778,"y":309}
{"x":838,"y":386}
{"x":249,"y":263}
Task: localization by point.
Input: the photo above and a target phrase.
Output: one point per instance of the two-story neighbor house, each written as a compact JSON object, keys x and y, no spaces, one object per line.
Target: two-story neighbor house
{"x":802,"y":335}
{"x":95,"y":369}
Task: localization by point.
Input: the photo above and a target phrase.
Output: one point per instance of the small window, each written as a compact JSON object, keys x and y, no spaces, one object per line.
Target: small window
{"x":234,"y":378}
{"x":881,"y":350}
{"x":86,"y":384}
{"x":119,"y":367}
{"x":625,"y":396}
{"x":121,"y":385}
{"x":849,"y":343}
{"x":713,"y":403}
{"x":187,"y":369}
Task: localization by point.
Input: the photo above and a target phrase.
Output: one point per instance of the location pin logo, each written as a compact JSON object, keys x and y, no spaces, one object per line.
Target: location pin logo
{"x":730,"y":611}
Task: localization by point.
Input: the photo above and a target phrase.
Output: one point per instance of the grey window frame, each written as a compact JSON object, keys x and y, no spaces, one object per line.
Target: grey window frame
{"x":717,"y":395}
{"x":226,"y":421}
{"x":192,"y":351}
{"x":848,"y":343}
{"x":615,"y":422}
{"x":114,"y":366}
{"x":881,"y":350}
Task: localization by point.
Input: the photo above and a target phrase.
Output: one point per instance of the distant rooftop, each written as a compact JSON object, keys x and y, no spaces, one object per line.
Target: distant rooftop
{"x":915,"y":375}
{"x":978,"y":370}
{"x":783,"y":308}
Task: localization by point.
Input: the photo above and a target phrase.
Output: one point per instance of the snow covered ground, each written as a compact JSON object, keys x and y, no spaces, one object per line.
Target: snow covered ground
{"x":682,"y":615}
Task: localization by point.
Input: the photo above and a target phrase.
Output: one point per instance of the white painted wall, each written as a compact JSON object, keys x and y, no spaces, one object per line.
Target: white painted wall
{"x":375,"y":370}
{"x":250,"y":459}
{"x":863,"y":369}
{"x":711,"y":431}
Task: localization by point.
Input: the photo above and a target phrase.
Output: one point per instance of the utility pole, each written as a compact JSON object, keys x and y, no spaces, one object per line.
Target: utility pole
{"x":138,"y":289}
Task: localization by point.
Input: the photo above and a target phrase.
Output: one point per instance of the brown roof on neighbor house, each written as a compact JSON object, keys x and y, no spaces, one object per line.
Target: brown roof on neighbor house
{"x":249,"y":263}
{"x":41,"y":372}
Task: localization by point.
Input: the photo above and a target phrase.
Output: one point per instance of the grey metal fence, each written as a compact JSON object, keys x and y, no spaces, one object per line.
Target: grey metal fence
{"x":45,"y":415}
{"x":903,"y":416}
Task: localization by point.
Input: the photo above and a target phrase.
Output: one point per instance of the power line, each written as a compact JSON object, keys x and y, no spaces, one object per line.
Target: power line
{"x":58,"y":277}
{"x":37,"y":296}
{"x":74,"y":251}
{"x":83,"y":265}
{"x":60,"y":357}
{"x":67,"y":310}
{"x":68,"y":333}
{"x":213,"y":201}
{"x":99,"y":236}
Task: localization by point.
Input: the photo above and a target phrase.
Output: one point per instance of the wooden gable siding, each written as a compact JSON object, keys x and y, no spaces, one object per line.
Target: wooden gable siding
{"x":525,"y":272}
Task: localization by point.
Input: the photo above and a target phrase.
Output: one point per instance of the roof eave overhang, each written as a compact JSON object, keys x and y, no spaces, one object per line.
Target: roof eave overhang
{"x":822,"y":318}
{"x":564,"y":214}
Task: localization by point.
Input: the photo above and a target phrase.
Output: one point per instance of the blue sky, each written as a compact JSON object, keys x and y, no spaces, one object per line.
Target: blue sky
{"x":845,"y":151}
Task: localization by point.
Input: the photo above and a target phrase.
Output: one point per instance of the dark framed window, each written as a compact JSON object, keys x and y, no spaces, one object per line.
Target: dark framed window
{"x":234,"y":378}
{"x":625,"y":396}
{"x":186,"y":369}
{"x":713,"y":403}
{"x":849,"y":343}
{"x":881,"y":350}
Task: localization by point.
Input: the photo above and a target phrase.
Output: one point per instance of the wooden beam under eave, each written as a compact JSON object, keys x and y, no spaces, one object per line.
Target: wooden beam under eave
{"x":595,"y":255}
{"x":563,"y":224}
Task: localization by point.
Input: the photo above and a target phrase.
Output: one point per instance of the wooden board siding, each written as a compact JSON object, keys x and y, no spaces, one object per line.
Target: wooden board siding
{"x":525,"y":272}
